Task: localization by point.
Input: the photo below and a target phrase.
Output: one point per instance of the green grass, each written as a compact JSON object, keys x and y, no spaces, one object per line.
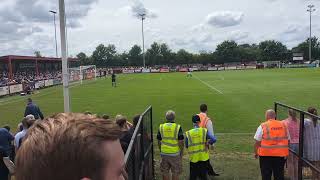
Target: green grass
{"x":240,"y":109}
{"x":246,"y":95}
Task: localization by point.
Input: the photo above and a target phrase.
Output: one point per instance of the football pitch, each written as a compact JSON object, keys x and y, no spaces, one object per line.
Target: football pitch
{"x":236,"y":101}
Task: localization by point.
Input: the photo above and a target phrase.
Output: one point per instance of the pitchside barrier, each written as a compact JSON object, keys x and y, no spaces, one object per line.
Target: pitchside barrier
{"x":18,"y":88}
{"x":139,"y":162}
{"x":306,"y":169}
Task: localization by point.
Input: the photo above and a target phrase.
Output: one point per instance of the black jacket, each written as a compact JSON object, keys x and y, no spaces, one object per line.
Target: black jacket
{"x":34,"y":110}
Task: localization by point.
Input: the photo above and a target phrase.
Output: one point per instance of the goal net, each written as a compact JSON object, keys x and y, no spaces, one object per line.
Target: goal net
{"x":78,"y":74}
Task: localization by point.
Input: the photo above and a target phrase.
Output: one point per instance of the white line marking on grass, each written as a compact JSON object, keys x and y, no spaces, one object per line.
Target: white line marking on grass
{"x":210,"y":86}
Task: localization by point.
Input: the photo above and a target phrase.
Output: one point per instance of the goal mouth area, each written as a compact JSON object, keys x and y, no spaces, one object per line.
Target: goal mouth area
{"x":82,"y":73}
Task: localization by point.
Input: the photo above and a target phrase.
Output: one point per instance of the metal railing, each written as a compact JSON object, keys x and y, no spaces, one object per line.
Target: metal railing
{"x":304,"y":165}
{"x":139,"y":155}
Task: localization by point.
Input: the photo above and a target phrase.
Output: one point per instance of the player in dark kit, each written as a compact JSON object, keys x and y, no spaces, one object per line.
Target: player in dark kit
{"x":113,"y":77}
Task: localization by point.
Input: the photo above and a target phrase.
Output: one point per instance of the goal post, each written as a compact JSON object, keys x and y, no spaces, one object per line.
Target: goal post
{"x":82,"y":73}
{"x":88,"y":72}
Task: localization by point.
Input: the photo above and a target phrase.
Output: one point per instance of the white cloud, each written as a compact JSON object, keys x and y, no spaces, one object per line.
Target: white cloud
{"x":137,"y":9}
{"x":27,"y":25}
{"x":238,"y":35}
{"x":224,"y":18}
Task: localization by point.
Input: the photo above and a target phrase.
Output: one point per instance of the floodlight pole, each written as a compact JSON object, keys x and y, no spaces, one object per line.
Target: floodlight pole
{"x":55,"y":30}
{"x":143,"y":17}
{"x":65,"y":75}
{"x":310,"y":10}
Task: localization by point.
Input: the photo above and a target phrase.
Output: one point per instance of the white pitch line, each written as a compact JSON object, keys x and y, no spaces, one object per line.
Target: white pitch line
{"x":210,"y":86}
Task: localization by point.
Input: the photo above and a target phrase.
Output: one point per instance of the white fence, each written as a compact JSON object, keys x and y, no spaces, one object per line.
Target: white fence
{"x":4,"y":90}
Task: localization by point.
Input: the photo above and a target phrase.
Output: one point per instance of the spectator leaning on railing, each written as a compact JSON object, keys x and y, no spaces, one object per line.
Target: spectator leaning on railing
{"x":126,"y":138}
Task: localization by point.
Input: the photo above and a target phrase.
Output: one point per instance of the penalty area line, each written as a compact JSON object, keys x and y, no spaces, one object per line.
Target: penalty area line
{"x":210,"y":86}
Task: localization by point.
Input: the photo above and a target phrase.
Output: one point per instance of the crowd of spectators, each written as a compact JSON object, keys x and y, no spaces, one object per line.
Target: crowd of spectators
{"x":27,"y":76}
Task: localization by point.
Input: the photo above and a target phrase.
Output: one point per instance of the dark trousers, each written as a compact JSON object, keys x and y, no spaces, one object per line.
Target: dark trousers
{"x":199,"y":170}
{"x":272,"y":165}
{"x":4,"y":171}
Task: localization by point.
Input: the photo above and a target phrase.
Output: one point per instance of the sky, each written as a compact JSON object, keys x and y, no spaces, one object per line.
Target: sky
{"x":194,"y":25}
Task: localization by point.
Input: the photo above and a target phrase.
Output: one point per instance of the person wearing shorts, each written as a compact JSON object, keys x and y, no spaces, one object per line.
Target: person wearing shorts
{"x":170,"y":140}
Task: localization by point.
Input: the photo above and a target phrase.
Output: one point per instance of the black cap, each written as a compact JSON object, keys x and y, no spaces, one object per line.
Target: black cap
{"x":195,"y":119}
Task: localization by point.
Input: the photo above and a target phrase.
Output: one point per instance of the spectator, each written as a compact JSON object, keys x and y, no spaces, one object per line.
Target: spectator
{"x":20,"y":127}
{"x":126,"y":138}
{"x":87,"y":113}
{"x":4,"y":171}
{"x":292,"y":124}
{"x":73,"y":147}
{"x":197,"y":141}
{"x":170,"y":140}
{"x":272,"y":146}
{"x":6,"y":139}
{"x":105,"y":116}
{"x":33,"y":109}
{"x":27,"y":122}
{"x":123,"y":123}
{"x":12,"y":149}
{"x":312,"y":140}
{"x":205,"y":122}
{"x":7,"y":128}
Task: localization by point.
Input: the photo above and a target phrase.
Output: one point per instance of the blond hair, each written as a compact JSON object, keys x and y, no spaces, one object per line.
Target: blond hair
{"x":65,"y":146}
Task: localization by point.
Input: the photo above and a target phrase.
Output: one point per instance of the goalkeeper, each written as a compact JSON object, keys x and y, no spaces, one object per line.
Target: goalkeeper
{"x":113,"y":78}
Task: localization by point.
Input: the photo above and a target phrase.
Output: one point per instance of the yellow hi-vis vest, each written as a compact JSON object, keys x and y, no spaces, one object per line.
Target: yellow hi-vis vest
{"x":197,"y":149}
{"x":169,"y":143}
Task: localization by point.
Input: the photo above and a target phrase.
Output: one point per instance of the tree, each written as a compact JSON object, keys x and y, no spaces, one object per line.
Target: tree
{"x":153,"y":54}
{"x":204,"y":57}
{"x":135,"y":56}
{"x":184,"y":57}
{"x":272,"y":51}
{"x":248,"y":52}
{"x":304,"y":48}
{"x":104,"y":55}
{"x":37,"y":54}
{"x":84,"y":59}
{"x":166,"y":54}
{"x":227,"y":51}
{"x":121,"y":59}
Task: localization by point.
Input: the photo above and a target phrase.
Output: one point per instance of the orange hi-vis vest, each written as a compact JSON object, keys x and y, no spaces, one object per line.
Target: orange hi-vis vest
{"x":274,"y":139}
{"x":203,"y":120}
